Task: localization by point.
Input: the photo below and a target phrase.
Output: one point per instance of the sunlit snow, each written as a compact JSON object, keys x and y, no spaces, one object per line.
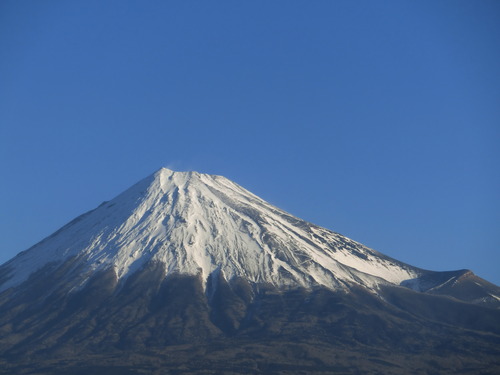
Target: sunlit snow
{"x":197,"y":223}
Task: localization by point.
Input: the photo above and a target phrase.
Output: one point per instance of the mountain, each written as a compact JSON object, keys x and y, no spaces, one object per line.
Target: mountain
{"x":186,"y":265}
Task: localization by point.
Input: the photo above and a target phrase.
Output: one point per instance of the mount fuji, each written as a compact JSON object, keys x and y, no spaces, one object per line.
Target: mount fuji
{"x":185,"y":265}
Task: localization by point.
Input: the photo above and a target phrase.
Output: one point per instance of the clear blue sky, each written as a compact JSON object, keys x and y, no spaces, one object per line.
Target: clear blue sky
{"x":376,"y":119}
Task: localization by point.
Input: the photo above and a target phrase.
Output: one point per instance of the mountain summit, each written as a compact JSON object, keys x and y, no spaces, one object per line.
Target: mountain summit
{"x":199,"y":224}
{"x":182,"y":263}
{"x":196,"y":223}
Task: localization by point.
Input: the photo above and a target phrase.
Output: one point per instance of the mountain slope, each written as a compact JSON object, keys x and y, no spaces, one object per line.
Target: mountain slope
{"x":195,"y":223}
{"x":190,"y":273}
{"x":153,"y":323}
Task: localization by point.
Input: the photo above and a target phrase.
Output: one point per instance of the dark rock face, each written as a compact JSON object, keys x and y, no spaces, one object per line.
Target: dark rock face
{"x":157,"y":325}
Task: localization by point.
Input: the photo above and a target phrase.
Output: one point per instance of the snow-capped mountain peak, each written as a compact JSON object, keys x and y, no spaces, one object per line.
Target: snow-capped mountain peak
{"x":196,"y":224}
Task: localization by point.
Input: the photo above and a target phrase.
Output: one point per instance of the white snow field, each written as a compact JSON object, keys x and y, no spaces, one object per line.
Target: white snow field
{"x":198,"y":223}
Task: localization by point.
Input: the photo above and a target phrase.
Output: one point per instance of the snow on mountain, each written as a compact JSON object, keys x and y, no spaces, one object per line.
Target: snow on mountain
{"x":196,"y":224}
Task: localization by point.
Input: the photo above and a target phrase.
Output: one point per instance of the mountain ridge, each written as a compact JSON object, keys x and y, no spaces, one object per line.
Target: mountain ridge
{"x":167,"y":212}
{"x":188,"y":273}
{"x":198,"y":223}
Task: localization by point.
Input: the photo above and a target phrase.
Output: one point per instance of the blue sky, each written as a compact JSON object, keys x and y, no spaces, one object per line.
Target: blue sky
{"x":378,"y":120}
